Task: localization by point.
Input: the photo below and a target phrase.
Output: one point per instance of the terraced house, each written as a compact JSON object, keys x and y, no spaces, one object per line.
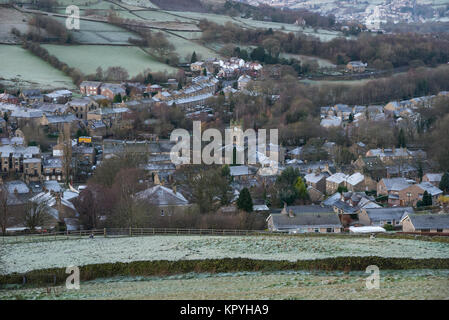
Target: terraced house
{"x":81,"y":107}
{"x":21,"y":160}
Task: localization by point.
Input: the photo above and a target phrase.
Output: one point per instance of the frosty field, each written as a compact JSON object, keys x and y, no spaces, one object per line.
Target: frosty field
{"x":23,"y":257}
{"x":394,"y":285}
{"x":88,"y":58}
{"x":21,"y":69}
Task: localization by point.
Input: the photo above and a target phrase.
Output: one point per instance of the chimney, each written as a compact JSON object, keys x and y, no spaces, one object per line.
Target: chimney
{"x":290,"y":213}
{"x":156,"y":179}
{"x":284,"y":210}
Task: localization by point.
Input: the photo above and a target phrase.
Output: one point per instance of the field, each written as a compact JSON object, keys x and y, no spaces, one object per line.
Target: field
{"x":407,"y":284}
{"x":88,"y":57}
{"x":184,"y":48}
{"x":11,"y":18}
{"x":21,"y":69}
{"x":173,"y":248}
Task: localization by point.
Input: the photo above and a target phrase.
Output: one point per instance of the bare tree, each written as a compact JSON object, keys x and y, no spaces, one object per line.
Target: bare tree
{"x":37,"y":213}
{"x":65,"y":141}
{"x":4,"y":212}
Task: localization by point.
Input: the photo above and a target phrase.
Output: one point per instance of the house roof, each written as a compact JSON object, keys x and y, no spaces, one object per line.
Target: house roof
{"x":381,"y":214}
{"x":355,"y":178}
{"x":429,"y":221}
{"x":162,"y":196}
{"x":338,"y":177}
{"x":332,"y":199}
{"x":18,"y":185}
{"x":434,"y":177}
{"x":298,"y":221}
{"x":396,"y":184}
{"x":314,"y":178}
{"x":430,"y":188}
{"x":239,"y":170}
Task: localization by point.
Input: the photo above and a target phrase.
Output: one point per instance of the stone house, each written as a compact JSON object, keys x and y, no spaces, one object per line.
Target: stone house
{"x":302,"y":219}
{"x":425,"y":223}
{"x":81,"y":107}
{"x":90,"y":88}
{"x":382,"y":216}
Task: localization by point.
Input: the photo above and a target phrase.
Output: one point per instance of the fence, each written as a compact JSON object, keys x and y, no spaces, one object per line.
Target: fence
{"x":125,"y":232}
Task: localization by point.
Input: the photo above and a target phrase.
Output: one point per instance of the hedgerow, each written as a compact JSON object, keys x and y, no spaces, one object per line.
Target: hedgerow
{"x":57,"y":276}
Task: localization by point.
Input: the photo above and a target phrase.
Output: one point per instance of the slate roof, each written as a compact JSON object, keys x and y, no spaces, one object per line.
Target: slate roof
{"x":355,"y":179}
{"x":18,"y":185}
{"x":429,"y":221}
{"x":338,"y":177}
{"x":52,"y":185}
{"x":305,"y":209}
{"x":430,"y":188}
{"x":381,"y":214}
{"x":162,"y":196}
{"x":314,"y":178}
{"x":396,"y":184}
{"x":332,"y":199}
{"x":239,"y":170}
{"x":299,"y":221}
{"x":434,"y":177}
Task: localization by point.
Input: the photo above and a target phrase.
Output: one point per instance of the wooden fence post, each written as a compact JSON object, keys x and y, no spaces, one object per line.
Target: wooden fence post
{"x":104,"y":232}
{"x":130,"y":232}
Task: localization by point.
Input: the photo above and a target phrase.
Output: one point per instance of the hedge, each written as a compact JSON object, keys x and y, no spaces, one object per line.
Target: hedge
{"x":57,"y":276}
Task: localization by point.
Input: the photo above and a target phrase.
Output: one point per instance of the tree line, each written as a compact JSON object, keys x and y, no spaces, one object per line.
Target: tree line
{"x":382,"y":51}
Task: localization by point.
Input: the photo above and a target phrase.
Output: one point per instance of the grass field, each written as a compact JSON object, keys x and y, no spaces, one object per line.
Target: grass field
{"x":393,"y":285}
{"x":100,"y":33}
{"x":88,"y":58}
{"x":173,"y":248}
{"x":11,"y":18}
{"x":21,"y":69}
{"x":185,"y":47}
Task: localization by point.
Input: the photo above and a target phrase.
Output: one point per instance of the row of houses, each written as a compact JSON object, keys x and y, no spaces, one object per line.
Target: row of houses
{"x":323,"y":219}
{"x":227,"y":69}
{"x":335,"y":116}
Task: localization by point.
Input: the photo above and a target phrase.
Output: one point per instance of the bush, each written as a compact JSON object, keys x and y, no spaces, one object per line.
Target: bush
{"x":388,"y":227}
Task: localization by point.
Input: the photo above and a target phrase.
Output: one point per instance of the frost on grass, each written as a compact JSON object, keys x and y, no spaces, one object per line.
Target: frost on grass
{"x":23,"y":257}
{"x":399,"y":284}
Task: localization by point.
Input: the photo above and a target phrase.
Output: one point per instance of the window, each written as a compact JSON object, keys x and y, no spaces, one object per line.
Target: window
{"x":439,"y":230}
{"x":329,"y":230}
{"x":162,"y":213}
{"x":425,"y":230}
{"x":317,"y":230}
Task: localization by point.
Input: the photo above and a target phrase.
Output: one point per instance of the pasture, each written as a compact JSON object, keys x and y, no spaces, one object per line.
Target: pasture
{"x":176,"y":248}
{"x":298,"y":285}
{"x":88,"y":57}
{"x":21,"y":69}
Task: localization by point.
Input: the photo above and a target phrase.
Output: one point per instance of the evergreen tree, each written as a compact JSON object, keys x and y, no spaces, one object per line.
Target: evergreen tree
{"x":351,"y":118}
{"x":426,"y":199}
{"x":245,"y":202}
{"x":204,"y":72}
{"x":179,"y":85}
{"x":300,"y":186}
{"x":444,"y":183}
{"x":117,"y":98}
{"x":193,"y":59}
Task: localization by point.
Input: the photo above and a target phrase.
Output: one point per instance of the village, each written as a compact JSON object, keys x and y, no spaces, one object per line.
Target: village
{"x":52,"y":143}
